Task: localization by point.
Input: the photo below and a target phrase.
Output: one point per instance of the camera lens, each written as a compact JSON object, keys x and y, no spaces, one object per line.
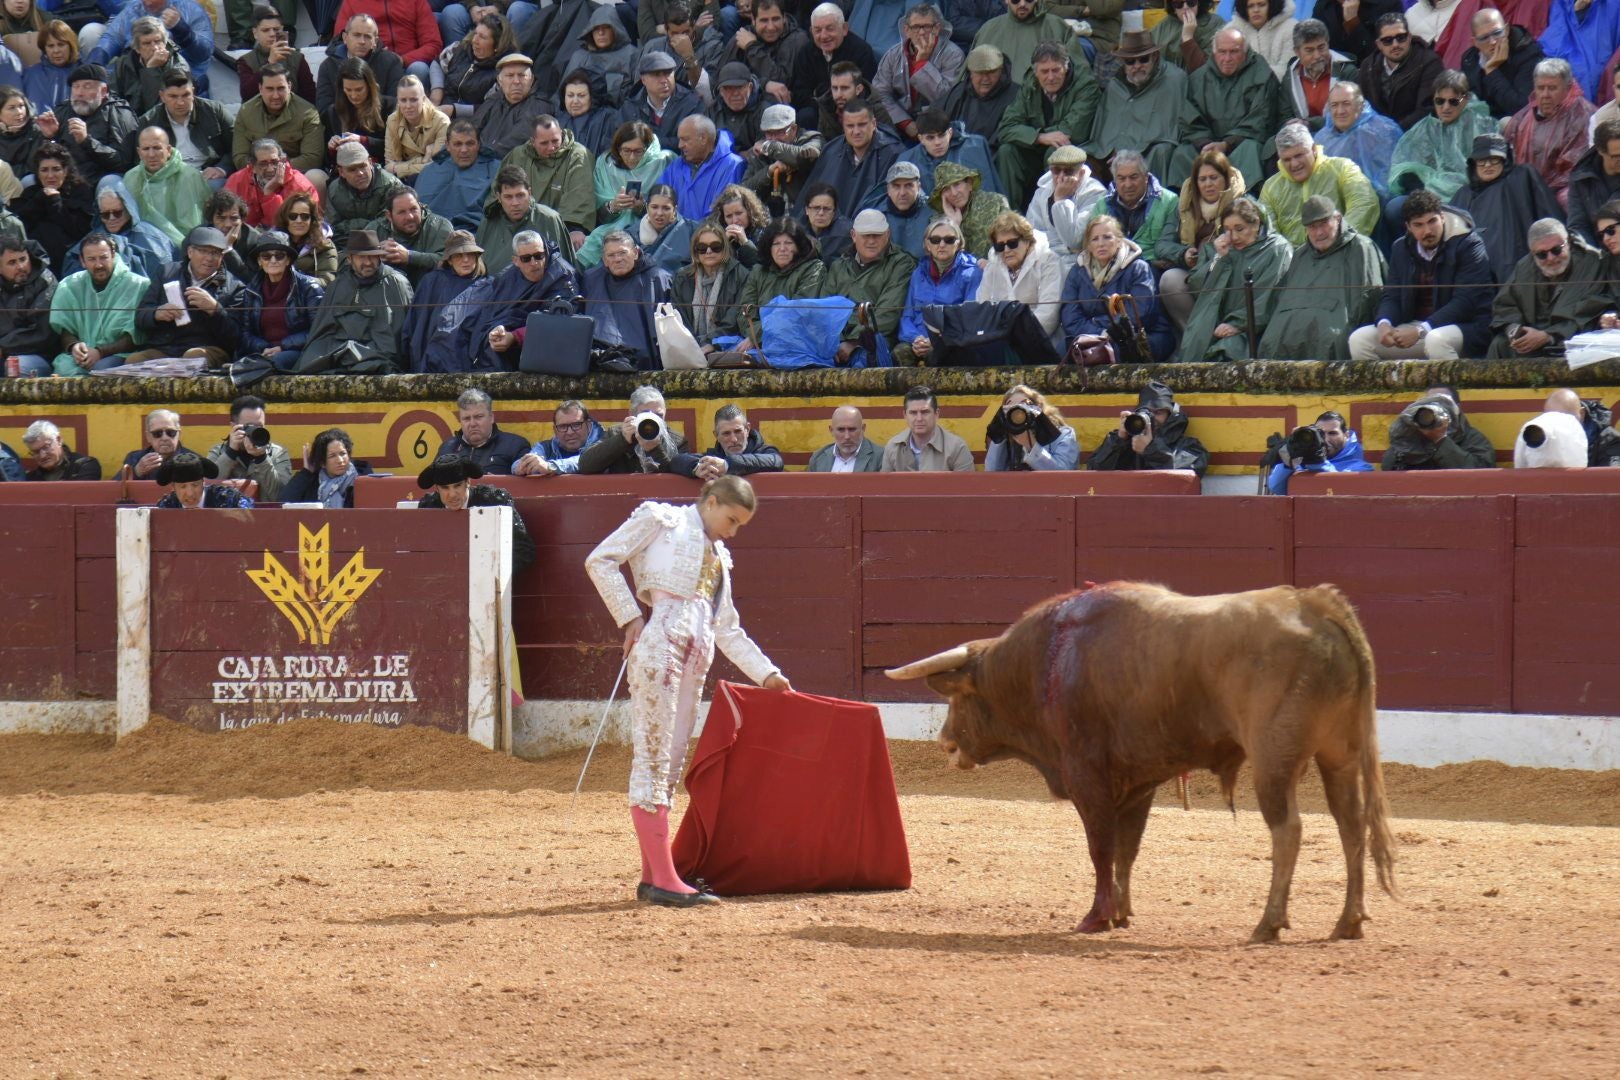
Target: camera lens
{"x":259,"y":436}
{"x":1135,"y":424}
{"x":1426,"y":417}
{"x":649,"y":428}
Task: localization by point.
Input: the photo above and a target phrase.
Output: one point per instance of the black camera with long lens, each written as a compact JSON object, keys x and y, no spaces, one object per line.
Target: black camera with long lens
{"x":649,"y":426}
{"x":1306,"y":446}
{"x":257,"y":434}
{"x":1139,"y":421}
{"x":1020,"y":418}
{"x":1429,"y":417}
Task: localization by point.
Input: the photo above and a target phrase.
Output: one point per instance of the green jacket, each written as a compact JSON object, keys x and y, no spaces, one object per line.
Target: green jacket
{"x":1437,"y":154}
{"x":1218,"y":285}
{"x":1561,"y":310}
{"x":982,"y":210}
{"x":1340,"y":179}
{"x":427,"y":246}
{"x":98,"y":318}
{"x":563,"y":182}
{"x":298,"y":129}
{"x":766,"y":283}
{"x":348,"y":209}
{"x":495,"y":234}
{"x":1017,"y":41}
{"x":1232,"y":108}
{"x":1103,"y":17}
{"x":883,"y":284}
{"x":1072,"y":111}
{"x":1166,"y":34}
{"x":1327,"y":295}
{"x":171,"y":198}
{"x":1137,"y":118}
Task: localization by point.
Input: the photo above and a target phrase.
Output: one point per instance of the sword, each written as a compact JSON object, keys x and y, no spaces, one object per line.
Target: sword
{"x":600,"y":724}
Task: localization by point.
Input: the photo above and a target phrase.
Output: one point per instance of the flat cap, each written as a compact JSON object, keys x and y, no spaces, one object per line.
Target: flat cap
{"x":871,"y":222}
{"x":655,"y":61}
{"x":985,"y":58}
{"x":1316,"y":208}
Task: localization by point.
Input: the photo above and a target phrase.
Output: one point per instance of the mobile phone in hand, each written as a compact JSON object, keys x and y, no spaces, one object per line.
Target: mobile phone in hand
{"x":632,"y":188}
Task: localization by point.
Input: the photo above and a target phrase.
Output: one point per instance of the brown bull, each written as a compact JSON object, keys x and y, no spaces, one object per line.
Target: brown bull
{"x":1111,"y":691}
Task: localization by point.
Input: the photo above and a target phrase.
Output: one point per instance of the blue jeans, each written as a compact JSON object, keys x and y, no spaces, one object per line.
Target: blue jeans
{"x":34,"y":366}
{"x":286,"y":359}
{"x":455,"y":20}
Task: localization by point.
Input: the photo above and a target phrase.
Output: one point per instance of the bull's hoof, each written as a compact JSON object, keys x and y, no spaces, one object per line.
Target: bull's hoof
{"x":1347,"y":930}
{"x":1100,"y":924}
{"x":1266,"y":933}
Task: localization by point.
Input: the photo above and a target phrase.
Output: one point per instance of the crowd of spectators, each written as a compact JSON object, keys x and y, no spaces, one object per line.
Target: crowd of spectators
{"x":1367,"y":182}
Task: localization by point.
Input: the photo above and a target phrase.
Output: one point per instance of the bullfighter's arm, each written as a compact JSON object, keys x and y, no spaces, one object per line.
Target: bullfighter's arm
{"x":603,"y":563}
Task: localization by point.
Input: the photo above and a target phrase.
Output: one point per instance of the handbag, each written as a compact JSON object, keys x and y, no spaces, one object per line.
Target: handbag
{"x":1090,"y":350}
{"x":677,"y":348}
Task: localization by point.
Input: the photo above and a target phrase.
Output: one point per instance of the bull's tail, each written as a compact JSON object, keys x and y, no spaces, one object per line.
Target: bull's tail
{"x":1381,"y":840}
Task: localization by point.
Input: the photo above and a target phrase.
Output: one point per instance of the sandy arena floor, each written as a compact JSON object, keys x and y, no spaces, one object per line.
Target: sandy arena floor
{"x":325,"y":901}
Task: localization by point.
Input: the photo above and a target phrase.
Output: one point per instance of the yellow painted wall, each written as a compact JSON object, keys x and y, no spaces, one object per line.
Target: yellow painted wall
{"x":403,"y":436}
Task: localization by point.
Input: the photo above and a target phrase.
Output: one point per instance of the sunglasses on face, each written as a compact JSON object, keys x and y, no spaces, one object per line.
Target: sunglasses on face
{"x":1008,"y":245}
{"x":942,"y":239}
{"x":273,"y":256}
{"x":1394,"y":39}
{"x":111,"y":215}
{"x":1137,"y":61}
{"x":164,"y":433}
{"x":300,"y":217}
{"x":1447,"y":102}
{"x":1184,"y":4}
{"x":532,"y":257}
{"x":1551,"y":253}
{"x":1609,"y":230}
{"x":710,"y":248}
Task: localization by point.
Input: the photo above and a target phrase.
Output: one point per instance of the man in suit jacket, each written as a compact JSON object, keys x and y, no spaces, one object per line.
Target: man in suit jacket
{"x":850,"y":450}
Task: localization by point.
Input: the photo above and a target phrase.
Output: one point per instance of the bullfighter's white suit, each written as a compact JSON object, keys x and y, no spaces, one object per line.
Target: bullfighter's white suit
{"x":686,"y":579}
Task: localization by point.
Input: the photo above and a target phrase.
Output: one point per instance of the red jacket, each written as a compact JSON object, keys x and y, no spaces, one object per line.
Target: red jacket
{"x":262,"y":208}
{"x":409,"y":31}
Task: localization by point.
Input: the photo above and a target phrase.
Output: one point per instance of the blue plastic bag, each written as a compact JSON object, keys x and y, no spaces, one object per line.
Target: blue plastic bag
{"x":803,"y":333}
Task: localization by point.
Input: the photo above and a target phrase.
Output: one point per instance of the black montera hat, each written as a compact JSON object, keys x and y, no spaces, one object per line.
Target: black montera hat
{"x":185,"y":468}
{"x":449,"y":469}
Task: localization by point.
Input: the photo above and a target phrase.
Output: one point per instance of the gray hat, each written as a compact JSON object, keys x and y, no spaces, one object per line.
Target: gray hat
{"x":1067,"y":155}
{"x":657,"y":60}
{"x":735,"y":73}
{"x":903,"y":170}
{"x":986,"y":58}
{"x":778,"y":117}
{"x":514,"y":58}
{"x":351,"y":153}
{"x":1316,"y":208}
{"x":871,"y":222}
{"x":461,"y":242}
{"x":1489,"y":145}
{"x":206,"y":236}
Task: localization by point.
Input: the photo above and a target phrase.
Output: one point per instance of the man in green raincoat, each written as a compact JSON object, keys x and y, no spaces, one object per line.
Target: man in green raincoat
{"x":1217,"y":329}
{"x":1556,"y":292}
{"x":169,"y":192}
{"x":1053,"y":108}
{"x":1021,"y":30}
{"x":94,"y":310}
{"x":1304,"y":170}
{"x":1141,"y":106}
{"x":1332,"y":286}
{"x":1232,"y":106}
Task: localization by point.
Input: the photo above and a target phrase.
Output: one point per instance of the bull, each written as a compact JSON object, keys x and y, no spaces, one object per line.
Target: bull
{"x":1110,"y":691}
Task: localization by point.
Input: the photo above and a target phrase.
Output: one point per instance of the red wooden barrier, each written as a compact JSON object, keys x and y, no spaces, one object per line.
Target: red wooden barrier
{"x":1461,"y":482}
{"x":56,"y":578}
{"x":1564,"y":596}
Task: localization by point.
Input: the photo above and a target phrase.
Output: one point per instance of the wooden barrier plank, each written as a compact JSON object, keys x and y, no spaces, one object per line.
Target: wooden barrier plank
{"x":278,"y":531}
{"x":1371,"y":573}
{"x":1005,"y":516}
{"x":1211,"y":570}
{"x":876,"y":686}
{"x":1192,"y":522}
{"x":95,"y":630}
{"x":890,"y":645}
{"x":196,"y":625}
{"x":945,"y":555}
{"x":569,"y":671}
{"x":1555,"y":570}
{"x":36,"y":671}
{"x":199,"y":576}
{"x":1471,"y":482}
{"x":962,"y":600}
{"x":1567,"y":520}
{"x":94,"y":530}
{"x":95,"y":583}
{"x":96,"y":674}
{"x":1443,"y":523}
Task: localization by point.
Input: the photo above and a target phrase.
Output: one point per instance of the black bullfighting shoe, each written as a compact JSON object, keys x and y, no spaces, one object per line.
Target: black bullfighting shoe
{"x":665,"y":898}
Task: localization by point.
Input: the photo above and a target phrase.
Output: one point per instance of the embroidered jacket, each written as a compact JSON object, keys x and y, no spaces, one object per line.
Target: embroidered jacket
{"x":664,"y":546}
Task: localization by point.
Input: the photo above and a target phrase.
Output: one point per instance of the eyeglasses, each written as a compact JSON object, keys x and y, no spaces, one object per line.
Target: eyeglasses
{"x":273,"y":256}
{"x":44,"y":447}
{"x":1605,"y":233}
{"x":1184,"y":3}
{"x":1008,"y":245}
{"x":1550,"y":253}
{"x":709,"y":248}
{"x":1447,"y":102}
{"x":300,"y":217}
{"x":1394,"y":39}
{"x":111,"y":215}
{"x":531,"y":257}
{"x":1137,"y":61}
{"x":925,"y":28}
{"x":577,"y":425}
{"x":942,"y":240}
{"x":164,"y":433}
{"x":1494,"y":35}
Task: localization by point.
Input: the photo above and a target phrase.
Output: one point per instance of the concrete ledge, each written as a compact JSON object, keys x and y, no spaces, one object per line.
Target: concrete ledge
{"x":58,"y":717}
{"x":1425,"y":739}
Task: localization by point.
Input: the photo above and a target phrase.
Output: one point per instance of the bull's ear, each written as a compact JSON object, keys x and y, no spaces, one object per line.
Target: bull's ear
{"x":951,"y":683}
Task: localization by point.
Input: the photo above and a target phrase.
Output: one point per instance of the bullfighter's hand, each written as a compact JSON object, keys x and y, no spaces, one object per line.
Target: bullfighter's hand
{"x":632,"y":633}
{"x":778,"y":681}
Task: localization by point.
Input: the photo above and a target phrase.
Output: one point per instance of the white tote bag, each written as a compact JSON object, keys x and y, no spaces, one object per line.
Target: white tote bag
{"x":677,"y":348}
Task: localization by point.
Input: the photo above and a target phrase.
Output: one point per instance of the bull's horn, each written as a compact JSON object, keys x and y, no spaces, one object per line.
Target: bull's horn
{"x":949,"y":660}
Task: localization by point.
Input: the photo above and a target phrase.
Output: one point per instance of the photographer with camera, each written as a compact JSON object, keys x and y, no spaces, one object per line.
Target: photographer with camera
{"x":1328,"y":445}
{"x":642,"y":443}
{"x":1151,"y":436}
{"x":1433,"y":433}
{"x":1028,"y":434}
{"x":248,"y":452}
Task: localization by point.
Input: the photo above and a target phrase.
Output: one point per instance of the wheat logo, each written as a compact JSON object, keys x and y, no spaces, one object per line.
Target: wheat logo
{"x":312,"y":602}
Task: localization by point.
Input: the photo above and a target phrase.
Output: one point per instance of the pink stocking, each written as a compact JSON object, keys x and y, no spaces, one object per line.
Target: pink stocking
{"x":652,"y":831}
